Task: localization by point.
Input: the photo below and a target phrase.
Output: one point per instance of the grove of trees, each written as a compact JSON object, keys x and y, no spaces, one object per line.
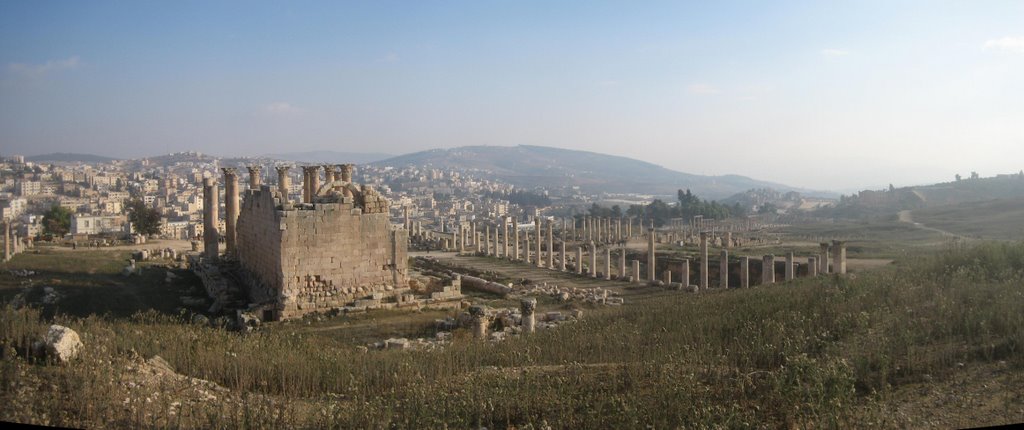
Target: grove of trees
{"x":688,"y":207}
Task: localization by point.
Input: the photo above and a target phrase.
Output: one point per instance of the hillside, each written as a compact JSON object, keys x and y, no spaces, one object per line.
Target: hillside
{"x":330,"y":157}
{"x":530,"y":166}
{"x":66,"y":157}
{"x":1001,"y":219}
{"x":888,"y":202}
{"x":972,"y":190}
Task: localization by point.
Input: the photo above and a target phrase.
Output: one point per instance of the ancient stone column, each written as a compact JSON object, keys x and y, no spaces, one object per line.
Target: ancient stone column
{"x":593,"y":260}
{"x":727,"y":240}
{"x":502,"y":248}
{"x":283,"y":182}
{"x":254,"y":177}
{"x":629,"y":228}
{"x":703,"y":261}
{"x":579,"y":260}
{"x":527,"y":307}
{"x":551,"y":248}
{"x":812,"y":267}
{"x":346,"y":172}
{"x":487,"y":241}
{"x":526,"y":248}
{"x":536,"y":229}
{"x":839,"y":257}
{"x":462,"y":238}
{"x":305,"y":185}
{"x":313,"y":178}
{"x":768,"y":270}
{"x":211,"y":204}
{"x":230,"y":209}
{"x":562,"y":263}
{"x":723,"y":270}
{"x":515,"y":238}
{"x":504,"y":236}
{"x":823,"y":261}
{"x":476,"y":238}
{"x":651,"y":276}
{"x":636,"y":271}
{"x":476,"y":241}
{"x":7,"y":241}
{"x":608,"y":263}
{"x":329,"y":173}
{"x":790,"y":267}
{"x":622,"y":263}
{"x":684,"y":272}
{"x":346,"y":176}
{"x":744,"y":272}
{"x":480,"y":322}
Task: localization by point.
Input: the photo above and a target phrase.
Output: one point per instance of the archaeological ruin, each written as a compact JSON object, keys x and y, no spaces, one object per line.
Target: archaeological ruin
{"x":334,"y":249}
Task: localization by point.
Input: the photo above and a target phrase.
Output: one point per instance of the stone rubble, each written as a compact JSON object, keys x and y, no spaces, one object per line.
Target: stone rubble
{"x":588,"y":295}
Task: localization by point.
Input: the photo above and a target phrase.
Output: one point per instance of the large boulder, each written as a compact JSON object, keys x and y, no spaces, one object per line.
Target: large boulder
{"x":62,"y":343}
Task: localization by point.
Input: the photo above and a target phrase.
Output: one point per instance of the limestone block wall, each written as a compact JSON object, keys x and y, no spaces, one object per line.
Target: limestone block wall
{"x":321,"y":256}
{"x":258,"y":235}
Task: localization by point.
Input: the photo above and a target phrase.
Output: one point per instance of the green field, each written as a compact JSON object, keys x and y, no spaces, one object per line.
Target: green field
{"x":91,"y":283}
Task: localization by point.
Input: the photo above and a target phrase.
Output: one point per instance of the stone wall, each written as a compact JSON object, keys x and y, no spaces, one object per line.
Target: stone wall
{"x":321,"y":256}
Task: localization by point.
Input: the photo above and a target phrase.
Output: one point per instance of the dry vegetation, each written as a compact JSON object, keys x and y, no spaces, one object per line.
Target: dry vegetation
{"x":825,"y":352}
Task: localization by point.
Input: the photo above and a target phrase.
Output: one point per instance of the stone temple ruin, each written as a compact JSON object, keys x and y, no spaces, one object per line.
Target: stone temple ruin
{"x":334,"y":249}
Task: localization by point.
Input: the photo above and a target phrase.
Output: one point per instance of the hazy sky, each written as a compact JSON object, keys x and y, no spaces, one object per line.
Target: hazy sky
{"x":805,"y":93}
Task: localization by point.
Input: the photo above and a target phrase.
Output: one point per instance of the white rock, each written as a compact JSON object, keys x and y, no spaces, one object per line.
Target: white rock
{"x":62,"y":343}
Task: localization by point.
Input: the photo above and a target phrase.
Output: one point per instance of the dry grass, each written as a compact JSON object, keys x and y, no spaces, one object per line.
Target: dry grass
{"x":816,"y":352}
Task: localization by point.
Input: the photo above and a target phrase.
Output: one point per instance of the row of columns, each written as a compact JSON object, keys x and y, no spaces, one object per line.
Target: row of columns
{"x":768,"y":263}
{"x":602,"y":229}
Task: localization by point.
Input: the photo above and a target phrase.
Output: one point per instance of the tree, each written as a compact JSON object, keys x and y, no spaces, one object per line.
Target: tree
{"x":958,"y":178}
{"x":767,"y":208}
{"x":145,"y":220}
{"x":57,"y":221}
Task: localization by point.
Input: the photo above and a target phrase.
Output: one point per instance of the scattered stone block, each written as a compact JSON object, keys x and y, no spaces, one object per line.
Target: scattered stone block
{"x":62,"y":343}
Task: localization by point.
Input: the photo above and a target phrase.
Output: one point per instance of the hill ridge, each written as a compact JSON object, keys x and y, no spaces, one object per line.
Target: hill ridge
{"x":532,"y":165}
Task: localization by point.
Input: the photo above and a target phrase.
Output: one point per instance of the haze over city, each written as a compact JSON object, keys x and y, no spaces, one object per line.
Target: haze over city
{"x":821,"y":96}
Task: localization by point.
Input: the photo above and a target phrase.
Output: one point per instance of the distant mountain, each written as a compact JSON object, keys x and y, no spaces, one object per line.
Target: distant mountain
{"x":530,"y":166}
{"x":331,"y":157}
{"x":66,"y":157}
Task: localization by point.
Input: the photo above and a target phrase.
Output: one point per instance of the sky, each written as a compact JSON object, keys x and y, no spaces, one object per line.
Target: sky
{"x":822,"y":95}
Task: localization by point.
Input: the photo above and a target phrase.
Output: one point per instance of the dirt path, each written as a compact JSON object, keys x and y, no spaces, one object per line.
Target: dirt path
{"x":905,"y":216}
